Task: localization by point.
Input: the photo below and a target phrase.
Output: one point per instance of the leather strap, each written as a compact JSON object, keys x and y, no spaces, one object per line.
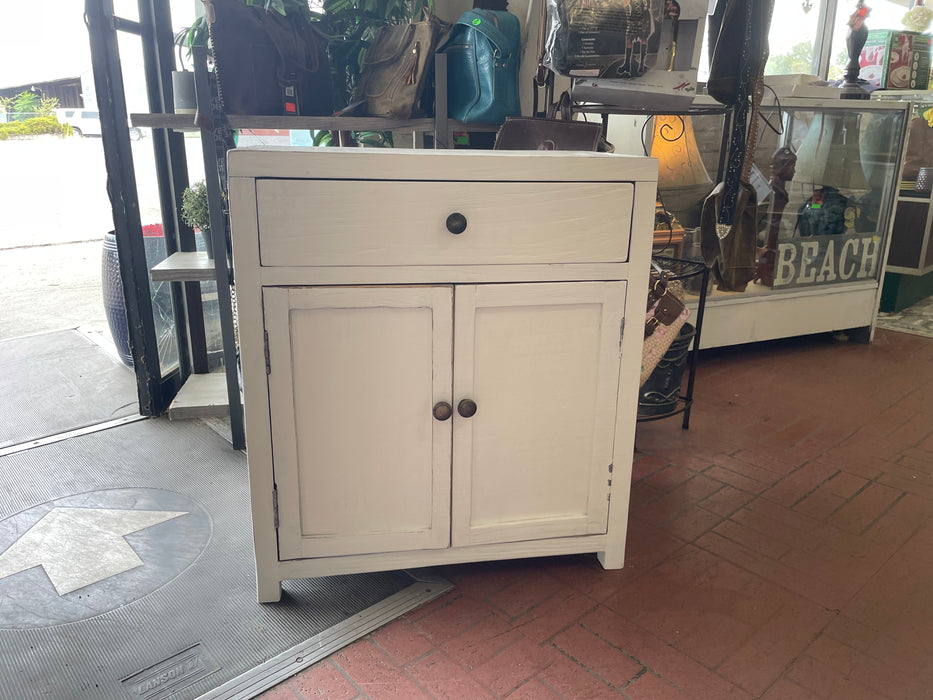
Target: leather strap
{"x":562,"y":109}
{"x":736,"y":160}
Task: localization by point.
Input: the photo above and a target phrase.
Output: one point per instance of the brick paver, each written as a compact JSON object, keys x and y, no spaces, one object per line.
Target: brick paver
{"x":782,"y":548}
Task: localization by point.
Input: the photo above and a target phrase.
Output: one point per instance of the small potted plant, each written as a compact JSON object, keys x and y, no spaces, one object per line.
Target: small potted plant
{"x":183,"y":78}
{"x":196,"y":213}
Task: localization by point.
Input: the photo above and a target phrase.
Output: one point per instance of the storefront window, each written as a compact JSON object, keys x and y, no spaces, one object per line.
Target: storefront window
{"x":796,"y":30}
{"x":885,"y":14}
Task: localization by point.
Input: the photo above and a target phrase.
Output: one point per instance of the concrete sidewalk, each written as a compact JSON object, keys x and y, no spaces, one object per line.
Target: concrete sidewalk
{"x":56,"y":213}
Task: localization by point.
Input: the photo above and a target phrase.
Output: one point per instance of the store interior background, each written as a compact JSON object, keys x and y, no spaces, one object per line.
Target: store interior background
{"x":55,"y":211}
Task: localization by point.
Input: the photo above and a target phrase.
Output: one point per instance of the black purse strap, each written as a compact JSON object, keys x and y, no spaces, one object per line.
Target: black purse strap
{"x":733,"y":177}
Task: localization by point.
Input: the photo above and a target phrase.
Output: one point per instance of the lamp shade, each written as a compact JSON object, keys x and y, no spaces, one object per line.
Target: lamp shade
{"x":683,"y":182}
{"x":829,"y":153}
{"x":674,"y":144}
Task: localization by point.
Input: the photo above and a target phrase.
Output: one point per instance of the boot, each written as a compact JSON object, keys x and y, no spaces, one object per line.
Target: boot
{"x":659,"y":394}
{"x":625,"y":70}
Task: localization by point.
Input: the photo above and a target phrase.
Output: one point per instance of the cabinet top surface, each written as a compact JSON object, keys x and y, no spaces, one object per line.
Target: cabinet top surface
{"x":414,"y":164}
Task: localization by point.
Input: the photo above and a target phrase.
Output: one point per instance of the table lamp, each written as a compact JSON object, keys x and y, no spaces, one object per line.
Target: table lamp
{"x":683,"y":181}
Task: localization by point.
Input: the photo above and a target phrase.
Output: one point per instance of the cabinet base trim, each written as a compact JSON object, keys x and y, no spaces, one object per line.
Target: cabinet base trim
{"x":388,"y":561}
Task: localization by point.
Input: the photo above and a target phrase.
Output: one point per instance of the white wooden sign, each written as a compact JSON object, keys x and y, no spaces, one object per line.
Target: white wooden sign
{"x":828,"y":259}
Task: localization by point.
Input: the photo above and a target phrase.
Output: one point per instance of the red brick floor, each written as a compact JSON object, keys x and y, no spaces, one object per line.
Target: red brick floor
{"x":782,"y":548}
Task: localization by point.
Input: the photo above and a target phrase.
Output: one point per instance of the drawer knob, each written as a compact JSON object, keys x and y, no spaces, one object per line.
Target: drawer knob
{"x":456,"y":223}
{"x":467,"y":408}
{"x":443,"y":410}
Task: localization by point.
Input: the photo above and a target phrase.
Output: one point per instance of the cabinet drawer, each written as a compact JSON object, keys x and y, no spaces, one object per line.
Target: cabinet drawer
{"x":378,"y":222}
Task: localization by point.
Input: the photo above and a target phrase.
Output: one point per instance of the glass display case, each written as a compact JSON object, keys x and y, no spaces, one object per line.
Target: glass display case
{"x":909,"y":274}
{"x":811,"y":259}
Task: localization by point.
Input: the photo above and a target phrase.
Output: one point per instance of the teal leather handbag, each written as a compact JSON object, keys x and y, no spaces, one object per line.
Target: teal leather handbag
{"x":483,"y":54}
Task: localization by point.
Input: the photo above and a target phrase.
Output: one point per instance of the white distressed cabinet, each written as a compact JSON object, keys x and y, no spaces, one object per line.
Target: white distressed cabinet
{"x":436,"y":367}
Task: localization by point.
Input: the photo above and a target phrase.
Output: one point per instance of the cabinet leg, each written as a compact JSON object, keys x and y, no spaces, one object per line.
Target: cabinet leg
{"x":611,"y":560}
{"x":268,"y":590}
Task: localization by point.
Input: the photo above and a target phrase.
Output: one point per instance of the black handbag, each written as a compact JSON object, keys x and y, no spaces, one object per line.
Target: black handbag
{"x":267,"y":63}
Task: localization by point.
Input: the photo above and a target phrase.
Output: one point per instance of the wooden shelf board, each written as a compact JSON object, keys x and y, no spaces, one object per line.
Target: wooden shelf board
{"x":201,"y":395}
{"x":184,"y":267}
{"x":185,"y":122}
{"x":329,"y":123}
{"x":178,"y":122}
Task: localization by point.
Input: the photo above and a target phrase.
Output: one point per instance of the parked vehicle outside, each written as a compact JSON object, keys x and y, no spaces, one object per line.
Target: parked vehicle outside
{"x":86,"y":122}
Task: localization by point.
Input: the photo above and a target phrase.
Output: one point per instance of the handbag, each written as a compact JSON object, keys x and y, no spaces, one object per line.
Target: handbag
{"x":730,"y":250}
{"x":550,"y":134}
{"x":531,"y":134}
{"x":399,"y":67}
{"x":729,"y":217}
{"x":483,"y":53}
{"x":267,"y":63}
{"x":602,"y":38}
{"x":825,"y":213}
{"x":665,"y":317}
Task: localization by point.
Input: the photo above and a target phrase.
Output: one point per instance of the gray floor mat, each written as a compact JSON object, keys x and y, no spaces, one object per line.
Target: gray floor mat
{"x":54,"y":382}
{"x":79,"y":618}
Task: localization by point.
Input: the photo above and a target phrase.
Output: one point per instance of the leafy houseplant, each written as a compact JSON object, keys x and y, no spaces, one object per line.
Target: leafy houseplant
{"x":183,"y":79}
{"x":190,"y":37}
{"x":196,"y":212}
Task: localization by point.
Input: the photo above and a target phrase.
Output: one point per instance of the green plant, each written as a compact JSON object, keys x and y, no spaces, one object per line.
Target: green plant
{"x":35,"y":126}
{"x":195,"y":210}
{"x":46,"y":106}
{"x":196,"y":35}
{"x":366,"y":139}
{"x":25,"y":104}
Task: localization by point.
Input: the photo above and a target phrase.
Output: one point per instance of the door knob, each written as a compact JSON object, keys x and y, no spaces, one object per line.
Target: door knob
{"x":456,"y":223}
{"x":467,"y":408}
{"x":443,"y":410}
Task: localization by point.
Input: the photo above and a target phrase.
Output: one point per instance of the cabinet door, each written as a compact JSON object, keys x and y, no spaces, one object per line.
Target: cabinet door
{"x":541,"y":362}
{"x":360,"y":463}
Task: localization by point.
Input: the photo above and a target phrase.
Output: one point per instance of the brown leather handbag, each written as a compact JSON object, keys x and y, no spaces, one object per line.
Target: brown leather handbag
{"x":529,"y":134}
{"x":398,"y":69}
{"x":551,"y":134}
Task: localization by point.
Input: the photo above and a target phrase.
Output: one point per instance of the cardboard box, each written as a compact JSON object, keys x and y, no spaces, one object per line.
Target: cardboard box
{"x":896,"y":60}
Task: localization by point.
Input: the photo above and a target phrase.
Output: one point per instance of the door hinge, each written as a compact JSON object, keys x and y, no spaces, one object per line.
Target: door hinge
{"x":621,"y":333}
{"x":265,"y":340}
{"x":275,"y":508}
